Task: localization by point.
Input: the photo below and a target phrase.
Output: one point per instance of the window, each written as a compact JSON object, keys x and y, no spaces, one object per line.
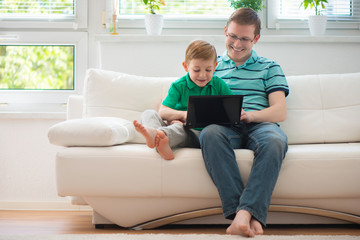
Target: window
{"x":43,"y":52}
{"x":43,"y":14}
{"x":37,"y":9}
{"x":178,"y":13}
{"x":36,"y":67}
{"x":41,"y":81}
{"x":180,"y":8}
{"x":289,"y":14}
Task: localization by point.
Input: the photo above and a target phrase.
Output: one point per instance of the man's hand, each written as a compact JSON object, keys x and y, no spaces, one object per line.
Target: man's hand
{"x":276,"y":112}
{"x":246,"y":117}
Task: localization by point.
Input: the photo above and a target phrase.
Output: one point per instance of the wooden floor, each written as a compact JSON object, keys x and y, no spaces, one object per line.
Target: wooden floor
{"x":79,"y":222}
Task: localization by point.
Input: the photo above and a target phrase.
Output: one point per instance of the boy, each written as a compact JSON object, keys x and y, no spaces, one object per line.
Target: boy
{"x":164,"y":129}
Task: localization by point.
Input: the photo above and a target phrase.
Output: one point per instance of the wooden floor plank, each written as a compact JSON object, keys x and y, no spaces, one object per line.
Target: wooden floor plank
{"x":79,"y":222}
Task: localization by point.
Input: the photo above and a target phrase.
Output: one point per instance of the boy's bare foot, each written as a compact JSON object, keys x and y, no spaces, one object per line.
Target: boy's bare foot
{"x":241,"y":225}
{"x":163,"y":147}
{"x":148,"y":133}
{"x":256,"y":226}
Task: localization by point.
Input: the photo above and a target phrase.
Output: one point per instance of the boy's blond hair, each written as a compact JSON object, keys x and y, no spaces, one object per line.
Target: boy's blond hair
{"x":200,"y":49}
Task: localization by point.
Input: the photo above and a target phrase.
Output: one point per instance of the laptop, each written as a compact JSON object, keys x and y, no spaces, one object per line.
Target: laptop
{"x":218,"y":109}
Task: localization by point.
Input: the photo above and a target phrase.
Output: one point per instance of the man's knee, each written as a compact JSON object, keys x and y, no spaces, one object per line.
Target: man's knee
{"x":276,"y":143}
{"x":210,"y":132}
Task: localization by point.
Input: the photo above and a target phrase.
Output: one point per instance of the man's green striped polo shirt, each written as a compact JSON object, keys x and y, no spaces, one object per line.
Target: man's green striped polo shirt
{"x":255,"y":79}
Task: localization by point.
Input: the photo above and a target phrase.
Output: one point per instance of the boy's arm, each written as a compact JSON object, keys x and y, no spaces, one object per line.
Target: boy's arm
{"x":170,"y":114}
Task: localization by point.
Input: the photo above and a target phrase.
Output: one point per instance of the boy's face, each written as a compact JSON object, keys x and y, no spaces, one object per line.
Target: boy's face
{"x":200,"y":70}
{"x":239,"y":41}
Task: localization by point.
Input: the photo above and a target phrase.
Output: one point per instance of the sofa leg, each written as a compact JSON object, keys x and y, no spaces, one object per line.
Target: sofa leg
{"x":99,"y":226}
{"x":137,"y":228}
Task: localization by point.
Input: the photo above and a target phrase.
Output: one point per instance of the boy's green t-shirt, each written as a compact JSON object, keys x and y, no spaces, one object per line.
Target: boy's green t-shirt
{"x":181,"y":89}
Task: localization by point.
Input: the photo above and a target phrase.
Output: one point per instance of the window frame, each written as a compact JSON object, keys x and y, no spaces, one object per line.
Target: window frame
{"x":62,"y":31}
{"x":78,"y":39}
{"x":273,"y":22}
{"x":79,"y":21}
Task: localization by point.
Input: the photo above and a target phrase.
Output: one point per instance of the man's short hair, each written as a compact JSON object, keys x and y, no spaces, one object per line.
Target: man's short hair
{"x":246,"y":16}
{"x":200,"y":49}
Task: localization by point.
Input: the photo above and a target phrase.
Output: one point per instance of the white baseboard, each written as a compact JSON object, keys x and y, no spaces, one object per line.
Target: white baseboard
{"x":48,"y":206}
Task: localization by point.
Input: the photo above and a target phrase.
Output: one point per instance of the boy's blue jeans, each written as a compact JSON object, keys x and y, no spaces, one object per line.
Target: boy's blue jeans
{"x":269,"y":144}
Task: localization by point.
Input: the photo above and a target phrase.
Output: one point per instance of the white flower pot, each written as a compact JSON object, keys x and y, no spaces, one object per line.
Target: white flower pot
{"x":154,"y":23}
{"x":317,"y":25}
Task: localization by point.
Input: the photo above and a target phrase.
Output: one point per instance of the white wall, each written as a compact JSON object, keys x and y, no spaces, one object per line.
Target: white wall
{"x":297,"y":55}
{"x":27,"y":177}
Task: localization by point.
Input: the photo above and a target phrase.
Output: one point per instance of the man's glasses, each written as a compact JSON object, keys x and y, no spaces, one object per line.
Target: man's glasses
{"x":243,"y":40}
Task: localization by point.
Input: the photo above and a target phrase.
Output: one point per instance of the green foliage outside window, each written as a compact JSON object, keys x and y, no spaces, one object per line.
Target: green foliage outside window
{"x":37,"y":67}
{"x":256,"y":5}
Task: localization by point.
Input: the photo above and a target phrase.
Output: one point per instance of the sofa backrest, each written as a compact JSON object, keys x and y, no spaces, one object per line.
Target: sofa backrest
{"x":321,"y":108}
{"x":113,"y":94}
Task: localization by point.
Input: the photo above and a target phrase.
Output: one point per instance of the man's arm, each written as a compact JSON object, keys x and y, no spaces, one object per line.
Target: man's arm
{"x":275,"y":113}
{"x":170,"y":114}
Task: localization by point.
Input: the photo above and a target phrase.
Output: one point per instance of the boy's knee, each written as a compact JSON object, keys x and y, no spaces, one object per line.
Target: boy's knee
{"x":149,"y":112}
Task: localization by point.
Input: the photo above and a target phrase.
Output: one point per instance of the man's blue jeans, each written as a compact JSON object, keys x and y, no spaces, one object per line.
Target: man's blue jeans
{"x":269,"y":144}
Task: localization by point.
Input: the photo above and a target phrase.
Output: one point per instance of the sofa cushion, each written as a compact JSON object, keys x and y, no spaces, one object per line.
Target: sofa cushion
{"x":323,"y":108}
{"x":98,"y":131}
{"x":114,"y":94}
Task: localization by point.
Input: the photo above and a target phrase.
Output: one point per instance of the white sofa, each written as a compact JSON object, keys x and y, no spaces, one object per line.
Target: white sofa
{"x":106,"y":164}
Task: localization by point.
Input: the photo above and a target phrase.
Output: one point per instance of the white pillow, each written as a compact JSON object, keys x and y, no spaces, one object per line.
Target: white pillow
{"x":96,"y":131}
{"x":114,"y":94}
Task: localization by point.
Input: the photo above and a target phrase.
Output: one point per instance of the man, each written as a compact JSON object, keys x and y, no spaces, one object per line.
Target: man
{"x":264,"y":86}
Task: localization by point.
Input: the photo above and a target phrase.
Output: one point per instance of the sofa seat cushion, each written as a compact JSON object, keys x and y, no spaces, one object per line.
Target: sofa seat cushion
{"x":312,"y":171}
{"x":131,"y":169}
{"x":134,"y":170}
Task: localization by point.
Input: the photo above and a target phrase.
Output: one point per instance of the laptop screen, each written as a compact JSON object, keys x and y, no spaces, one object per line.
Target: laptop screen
{"x":219,"y":109}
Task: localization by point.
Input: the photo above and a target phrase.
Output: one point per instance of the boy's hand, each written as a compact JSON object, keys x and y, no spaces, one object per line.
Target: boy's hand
{"x":184,"y":117}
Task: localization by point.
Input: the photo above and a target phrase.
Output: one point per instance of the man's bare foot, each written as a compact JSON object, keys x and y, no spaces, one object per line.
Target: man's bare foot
{"x":148,"y":133}
{"x":256,"y":227}
{"x":163,"y":147}
{"x":241,"y":225}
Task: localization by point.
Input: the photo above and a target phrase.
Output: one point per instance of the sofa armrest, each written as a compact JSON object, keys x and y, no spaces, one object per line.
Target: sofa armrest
{"x":74,"y":107}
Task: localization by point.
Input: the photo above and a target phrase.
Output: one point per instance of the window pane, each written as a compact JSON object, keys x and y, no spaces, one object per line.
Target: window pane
{"x":335,"y":10}
{"x":37,"y":67}
{"x":179,"y":7}
{"x":37,"y":8}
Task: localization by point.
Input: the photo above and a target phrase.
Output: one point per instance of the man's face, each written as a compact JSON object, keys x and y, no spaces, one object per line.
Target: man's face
{"x":239,"y":41}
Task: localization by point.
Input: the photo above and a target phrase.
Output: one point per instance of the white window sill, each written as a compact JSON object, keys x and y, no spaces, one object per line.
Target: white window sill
{"x":264,"y":38}
{"x":32,"y":111}
{"x":33,"y":115}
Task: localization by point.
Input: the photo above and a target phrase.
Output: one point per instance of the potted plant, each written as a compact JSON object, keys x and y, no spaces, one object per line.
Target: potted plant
{"x":256,"y":5}
{"x":317,"y":22}
{"x":153,"y":21}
